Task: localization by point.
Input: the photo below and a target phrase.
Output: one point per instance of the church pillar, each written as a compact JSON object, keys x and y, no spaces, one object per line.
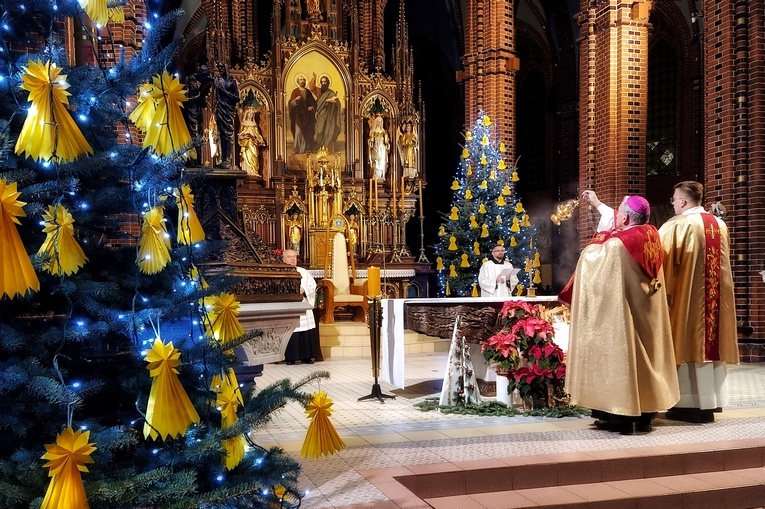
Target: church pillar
{"x":613,"y":100}
{"x":490,"y":65}
{"x":734,"y":145}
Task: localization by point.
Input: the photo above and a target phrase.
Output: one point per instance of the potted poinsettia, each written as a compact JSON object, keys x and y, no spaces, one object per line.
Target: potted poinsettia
{"x":523,"y":350}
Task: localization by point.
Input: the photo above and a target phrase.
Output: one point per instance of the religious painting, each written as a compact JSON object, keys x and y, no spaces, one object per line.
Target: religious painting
{"x":315,"y":98}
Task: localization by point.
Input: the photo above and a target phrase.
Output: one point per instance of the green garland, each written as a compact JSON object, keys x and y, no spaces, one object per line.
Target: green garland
{"x":493,"y":408}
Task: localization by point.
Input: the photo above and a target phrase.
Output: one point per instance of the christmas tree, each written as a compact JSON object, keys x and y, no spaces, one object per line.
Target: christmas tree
{"x":485,"y":211}
{"x":116,"y":377}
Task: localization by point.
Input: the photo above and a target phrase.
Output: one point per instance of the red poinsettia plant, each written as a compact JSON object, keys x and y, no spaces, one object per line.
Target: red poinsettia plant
{"x":525,"y":352}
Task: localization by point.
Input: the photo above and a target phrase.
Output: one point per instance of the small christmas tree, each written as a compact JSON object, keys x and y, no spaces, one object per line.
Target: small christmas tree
{"x":485,"y":211}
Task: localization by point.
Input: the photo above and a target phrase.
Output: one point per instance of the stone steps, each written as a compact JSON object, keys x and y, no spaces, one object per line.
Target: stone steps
{"x":351,"y":339}
{"x":723,"y":475}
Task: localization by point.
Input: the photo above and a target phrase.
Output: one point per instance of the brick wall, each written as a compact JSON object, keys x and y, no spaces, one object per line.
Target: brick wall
{"x":489,"y":66}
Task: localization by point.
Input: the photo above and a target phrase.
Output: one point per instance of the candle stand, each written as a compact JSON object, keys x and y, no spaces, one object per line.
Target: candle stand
{"x":374,"y":317}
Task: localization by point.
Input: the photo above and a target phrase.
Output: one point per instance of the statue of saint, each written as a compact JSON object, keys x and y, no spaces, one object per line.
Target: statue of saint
{"x":250,"y":139}
{"x":379,"y":145}
{"x":407,"y":147}
{"x":226,"y":99}
{"x":294,"y":232}
{"x":353,"y":233}
{"x":198,"y":86}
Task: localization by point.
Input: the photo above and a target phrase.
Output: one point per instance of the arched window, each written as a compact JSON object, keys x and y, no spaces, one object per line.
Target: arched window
{"x":661,"y":135}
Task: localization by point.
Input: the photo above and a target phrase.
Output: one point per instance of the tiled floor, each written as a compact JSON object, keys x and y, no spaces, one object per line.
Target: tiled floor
{"x":396,"y":434}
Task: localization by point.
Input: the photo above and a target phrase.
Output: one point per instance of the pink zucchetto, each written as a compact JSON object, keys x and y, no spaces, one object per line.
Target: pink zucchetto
{"x":638,"y":204}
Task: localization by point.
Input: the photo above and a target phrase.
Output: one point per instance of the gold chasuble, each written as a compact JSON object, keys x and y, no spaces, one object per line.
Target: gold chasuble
{"x":620,"y":357}
{"x":700,"y":288}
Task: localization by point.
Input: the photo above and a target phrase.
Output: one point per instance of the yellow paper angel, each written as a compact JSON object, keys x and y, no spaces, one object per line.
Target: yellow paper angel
{"x":452,"y":243}
{"x":189,"y":228}
{"x":493,"y":174}
{"x":468,"y":136}
{"x":66,"y":255}
{"x":321,"y":437}
{"x":154,"y":244}
{"x":465,"y":153}
{"x":468,"y":194}
{"x":439,"y":263}
{"x":452,"y":270}
{"x":501,"y":201}
{"x":506,"y":191}
{"x":498,"y":220}
{"x":482,"y":209}
{"x":525,"y":220}
{"x":17,"y":276}
{"x":167,"y":132}
{"x":483,"y":185}
{"x":502,"y":146}
{"x":484,"y":231}
{"x":476,"y":248}
{"x":224,"y":324}
{"x":537,"y":260}
{"x":469,"y":170}
{"x":519,"y":207}
{"x":170,"y":411}
{"x":98,"y":11}
{"x":475,"y":290}
{"x":228,"y":400}
{"x":66,"y":459}
{"x":464,"y":262}
{"x":537,"y":279}
{"x":515,"y":177}
{"x":455,"y":214}
{"x":501,"y":165}
{"x":486,"y":121}
{"x":473,"y":222}
{"x":455,"y":185}
{"x":515,"y":228}
{"x":441,"y":231}
{"x":513,"y":242}
{"x":484,"y":160}
{"x":49,"y":129}
{"x":145,"y":108}
{"x":485,"y":140}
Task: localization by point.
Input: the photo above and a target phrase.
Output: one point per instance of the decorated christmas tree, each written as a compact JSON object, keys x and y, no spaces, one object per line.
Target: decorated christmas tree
{"x":116,"y":347}
{"x":485,"y":211}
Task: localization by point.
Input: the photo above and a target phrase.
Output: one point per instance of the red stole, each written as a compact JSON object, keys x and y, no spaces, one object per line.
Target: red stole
{"x":641,"y":242}
{"x":712,"y":287}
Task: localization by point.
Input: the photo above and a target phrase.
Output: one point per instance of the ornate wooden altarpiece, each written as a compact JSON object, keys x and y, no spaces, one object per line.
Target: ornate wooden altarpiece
{"x":314,"y":104}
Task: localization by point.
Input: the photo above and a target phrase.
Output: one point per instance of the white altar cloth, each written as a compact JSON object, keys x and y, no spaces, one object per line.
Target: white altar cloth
{"x":392,"y":335}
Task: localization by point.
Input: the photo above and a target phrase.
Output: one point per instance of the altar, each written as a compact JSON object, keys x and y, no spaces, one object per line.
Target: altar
{"x":394,"y":322}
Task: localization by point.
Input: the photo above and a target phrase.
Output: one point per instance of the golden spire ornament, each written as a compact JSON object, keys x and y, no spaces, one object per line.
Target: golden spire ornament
{"x":17,"y":276}
{"x":189,"y":228}
{"x":154,"y":243}
{"x":66,"y":459}
{"x":49,"y":129}
{"x":170,"y":411}
{"x":321,"y":438}
{"x":66,"y":255}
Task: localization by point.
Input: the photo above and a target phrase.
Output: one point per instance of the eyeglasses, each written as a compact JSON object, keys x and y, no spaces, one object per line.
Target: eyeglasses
{"x":497,"y":250}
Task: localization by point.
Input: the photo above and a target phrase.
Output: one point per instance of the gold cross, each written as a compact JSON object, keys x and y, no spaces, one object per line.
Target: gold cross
{"x":711,"y":230}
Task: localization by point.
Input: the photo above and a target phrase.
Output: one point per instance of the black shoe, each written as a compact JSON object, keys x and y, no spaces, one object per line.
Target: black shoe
{"x":625,"y":428}
{"x":605,"y":426}
{"x":290,"y":363}
{"x":685,"y":414}
{"x":643,"y":427}
{"x":707,"y":416}
{"x":307,"y":361}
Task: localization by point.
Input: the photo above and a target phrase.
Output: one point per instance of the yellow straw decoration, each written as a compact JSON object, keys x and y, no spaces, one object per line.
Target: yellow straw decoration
{"x":321,"y":437}
{"x":66,"y":459}
{"x":145,"y":108}
{"x":167,"y":133}
{"x":224,"y":324}
{"x":189,"y":228}
{"x":17,"y":276}
{"x":66,"y":255}
{"x":49,"y":128}
{"x":154,"y":244}
{"x":228,"y":400}
{"x":170,"y":411}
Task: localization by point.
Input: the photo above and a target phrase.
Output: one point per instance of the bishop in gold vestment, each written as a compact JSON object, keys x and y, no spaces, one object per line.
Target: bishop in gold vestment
{"x":620,"y":359}
{"x":701,"y":302}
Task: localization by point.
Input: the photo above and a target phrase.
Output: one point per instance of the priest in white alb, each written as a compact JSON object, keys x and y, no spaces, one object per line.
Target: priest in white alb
{"x":497,"y":277}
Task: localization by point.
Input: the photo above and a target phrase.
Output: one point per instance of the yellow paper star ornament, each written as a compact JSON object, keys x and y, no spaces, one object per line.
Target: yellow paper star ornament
{"x":49,"y":129}
{"x":170,"y":411}
{"x":66,"y":255}
{"x":17,"y":276}
{"x":167,"y":132}
{"x":145,"y":108}
{"x":224,"y":324}
{"x":228,"y":400}
{"x":321,"y":437}
{"x":66,"y":459}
